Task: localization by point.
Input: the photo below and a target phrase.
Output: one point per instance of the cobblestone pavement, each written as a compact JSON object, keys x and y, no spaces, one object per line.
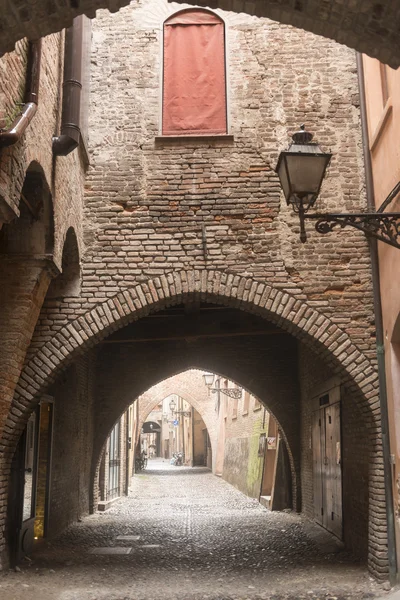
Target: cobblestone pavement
{"x":192,"y":537}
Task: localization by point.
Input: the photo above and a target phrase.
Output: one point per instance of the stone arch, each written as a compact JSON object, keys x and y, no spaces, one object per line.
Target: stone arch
{"x":292,"y":315}
{"x":372,"y":30}
{"x":297,"y":317}
{"x":68,"y":283}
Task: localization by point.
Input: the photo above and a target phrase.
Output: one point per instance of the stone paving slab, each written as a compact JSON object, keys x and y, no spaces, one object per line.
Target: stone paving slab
{"x":111,"y":551}
{"x":393,"y":595}
{"x":200,"y":539}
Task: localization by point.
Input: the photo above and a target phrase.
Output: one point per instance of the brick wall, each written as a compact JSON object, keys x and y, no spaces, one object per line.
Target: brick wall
{"x":71,"y":472}
{"x":357,"y":458}
{"x":149,"y":201}
{"x":26,"y":271}
{"x":65,"y":175}
{"x":243,"y":468}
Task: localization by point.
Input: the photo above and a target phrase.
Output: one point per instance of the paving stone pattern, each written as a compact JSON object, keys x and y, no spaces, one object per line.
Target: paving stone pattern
{"x":199,"y":539}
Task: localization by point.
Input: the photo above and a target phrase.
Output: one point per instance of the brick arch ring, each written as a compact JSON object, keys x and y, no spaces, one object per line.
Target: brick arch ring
{"x":172,"y":388}
{"x":161,"y":390}
{"x":169,"y":386}
{"x":364,"y":34}
{"x":157,"y":396}
{"x":295,"y":316}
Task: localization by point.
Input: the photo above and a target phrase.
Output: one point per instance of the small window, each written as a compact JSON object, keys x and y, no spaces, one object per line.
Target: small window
{"x":246,"y":403}
{"x":257,"y":404}
{"x":384,"y":83}
{"x":226,"y":407}
{"x":235,"y":402}
{"x":194,"y":82}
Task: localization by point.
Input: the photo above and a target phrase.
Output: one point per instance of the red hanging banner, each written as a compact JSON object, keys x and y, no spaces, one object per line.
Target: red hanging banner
{"x":194,"y":94}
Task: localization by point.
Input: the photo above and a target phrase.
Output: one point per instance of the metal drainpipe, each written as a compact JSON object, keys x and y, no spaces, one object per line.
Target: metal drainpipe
{"x":70,"y":135}
{"x":127,"y":453}
{"x":392,"y":558}
{"x":13,"y":135}
{"x":192,"y":419}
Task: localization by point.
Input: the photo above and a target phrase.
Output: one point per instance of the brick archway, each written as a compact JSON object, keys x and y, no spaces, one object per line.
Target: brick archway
{"x":159,"y":392}
{"x":373,"y":30}
{"x":297,"y":317}
{"x":176,"y":384}
{"x":294,"y":316}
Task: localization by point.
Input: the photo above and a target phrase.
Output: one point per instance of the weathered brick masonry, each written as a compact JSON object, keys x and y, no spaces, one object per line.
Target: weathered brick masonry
{"x":26,"y":270}
{"x":31,"y":247}
{"x":73,"y":435}
{"x":170,"y":223}
{"x":368,"y":26}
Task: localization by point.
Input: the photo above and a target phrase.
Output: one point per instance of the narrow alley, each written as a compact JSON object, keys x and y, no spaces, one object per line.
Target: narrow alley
{"x":183,"y":533}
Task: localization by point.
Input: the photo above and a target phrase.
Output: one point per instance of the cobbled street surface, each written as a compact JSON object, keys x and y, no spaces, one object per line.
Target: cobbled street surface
{"x":199,"y":538}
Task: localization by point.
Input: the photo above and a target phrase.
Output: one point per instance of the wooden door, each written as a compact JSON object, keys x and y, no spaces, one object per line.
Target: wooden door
{"x":318,"y":445}
{"x":327,"y":468}
{"x":333,"y":471}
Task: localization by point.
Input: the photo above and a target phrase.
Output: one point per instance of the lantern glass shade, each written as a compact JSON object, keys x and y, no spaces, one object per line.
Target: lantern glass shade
{"x":208,"y":379}
{"x":172,"y":405}
{"x":301,"y":170}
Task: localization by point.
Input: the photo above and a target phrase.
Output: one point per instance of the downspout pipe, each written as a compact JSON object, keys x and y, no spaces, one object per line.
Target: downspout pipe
{"x":127,"y":452}
{"x":13,"y":135}
{"x":391,"y":535}
{"x":70,"y":134}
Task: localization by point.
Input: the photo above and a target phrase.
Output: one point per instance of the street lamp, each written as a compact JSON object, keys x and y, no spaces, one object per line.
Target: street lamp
{"x":172,"y":405}
{"x":208,"y":379}
{"x":301,"y":170}
{"x":231,"y":392}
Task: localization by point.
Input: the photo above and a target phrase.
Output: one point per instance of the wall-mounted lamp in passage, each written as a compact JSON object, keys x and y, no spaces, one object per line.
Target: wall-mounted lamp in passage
{"x":235,"y":393}
{"x":301,"y":170}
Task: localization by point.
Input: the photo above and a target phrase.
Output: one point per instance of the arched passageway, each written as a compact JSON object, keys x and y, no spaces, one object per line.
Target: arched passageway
{"x":223,"y":428}
{"x":166,"y":400}
{"x":260,"y":354}
{"x":372,"y":30}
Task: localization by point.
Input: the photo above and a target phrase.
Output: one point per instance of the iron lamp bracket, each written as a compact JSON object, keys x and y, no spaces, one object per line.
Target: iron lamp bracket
{"x":235,"y":393}
{"x":382,"y":226}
